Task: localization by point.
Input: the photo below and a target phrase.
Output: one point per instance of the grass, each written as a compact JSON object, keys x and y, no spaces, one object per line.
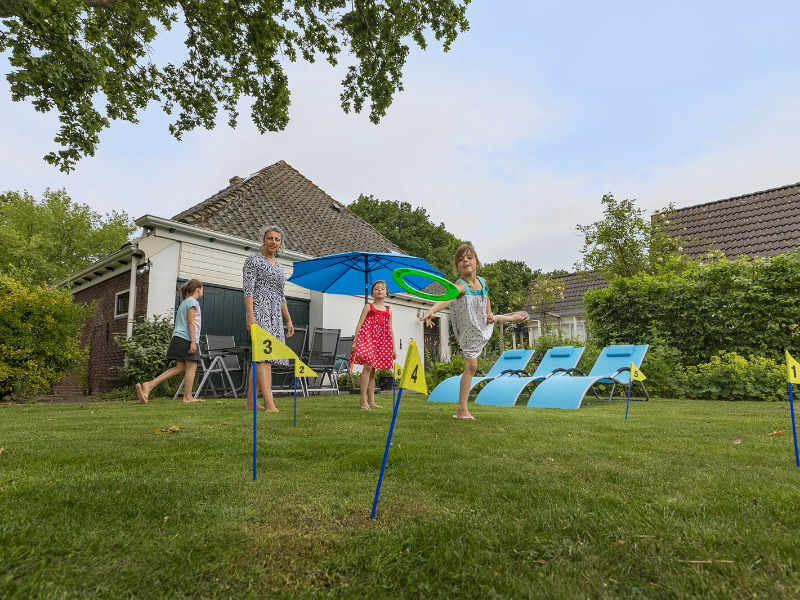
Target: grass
{"x":521,"y":503}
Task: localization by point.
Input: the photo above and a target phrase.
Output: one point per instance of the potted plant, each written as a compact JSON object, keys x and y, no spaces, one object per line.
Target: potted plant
{"x":385,"y":379}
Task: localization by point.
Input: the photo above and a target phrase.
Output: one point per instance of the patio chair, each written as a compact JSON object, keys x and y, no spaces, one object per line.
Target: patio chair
{"x":283,"y":377}
{"x":342,"y":364}
{"x":612,"y":366}
{"x":214,"y":361}
{"x":506,"y":389}
{"x":321,"y":358}
{"x":510,"y":360}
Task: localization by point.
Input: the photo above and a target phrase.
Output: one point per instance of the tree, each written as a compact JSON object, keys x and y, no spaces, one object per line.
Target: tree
{"x":508,"y":282}
{"x":92,"y":61}
{"x":45,"y":242}
{"x":545,"y":292}
{"x":411,"y":229}
{"x":625,"y":243}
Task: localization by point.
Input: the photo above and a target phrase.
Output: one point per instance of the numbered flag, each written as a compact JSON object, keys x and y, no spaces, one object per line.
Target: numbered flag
{"x":301,"y":369}
{"x":398,"y":371}
{"x":413,"y":376}
{"x":792,"y":369}
{"x":266,"y":346}
{"x":636,"y":374}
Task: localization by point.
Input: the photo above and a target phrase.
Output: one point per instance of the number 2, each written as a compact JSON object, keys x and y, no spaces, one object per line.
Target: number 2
{"x":302,"y":369}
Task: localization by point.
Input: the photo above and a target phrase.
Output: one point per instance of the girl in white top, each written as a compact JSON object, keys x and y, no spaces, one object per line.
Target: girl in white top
{"x":472,"y":319}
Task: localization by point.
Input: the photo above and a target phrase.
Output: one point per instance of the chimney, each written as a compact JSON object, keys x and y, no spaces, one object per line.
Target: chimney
{"x":234,"y":180}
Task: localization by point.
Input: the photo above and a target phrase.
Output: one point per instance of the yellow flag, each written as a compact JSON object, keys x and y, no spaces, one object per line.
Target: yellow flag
{"x":792,"y":369}
{"x":636,"y":374}
{"x":398,"y":371}
{"x":301,"y":369}
{"x":266,"y":346}
{"x":413,"y":377}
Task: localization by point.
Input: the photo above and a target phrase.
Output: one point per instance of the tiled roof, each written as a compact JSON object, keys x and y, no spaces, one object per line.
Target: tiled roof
{"x":761,"y":224}
{"x":315,"y":224}
{"x":575,"y":286}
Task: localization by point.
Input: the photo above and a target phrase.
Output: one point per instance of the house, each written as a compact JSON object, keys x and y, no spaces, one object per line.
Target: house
{"x":210,"y":241}
{"x":763,"y":224}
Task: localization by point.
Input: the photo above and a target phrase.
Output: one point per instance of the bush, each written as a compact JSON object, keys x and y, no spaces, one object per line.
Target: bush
{"x":662,"y":367}
{"x":146,"y":353}
{"x":750,"y":307}
{"x":40,"y":333}
{"x":730,"y":376}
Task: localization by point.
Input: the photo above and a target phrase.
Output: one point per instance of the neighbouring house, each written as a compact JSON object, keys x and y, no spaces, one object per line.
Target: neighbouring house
{"x":210,"y":241}
{"x":763,"y":224}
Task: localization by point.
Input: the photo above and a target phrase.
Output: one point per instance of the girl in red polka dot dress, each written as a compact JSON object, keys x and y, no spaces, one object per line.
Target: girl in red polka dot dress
{"x":373,"y":343}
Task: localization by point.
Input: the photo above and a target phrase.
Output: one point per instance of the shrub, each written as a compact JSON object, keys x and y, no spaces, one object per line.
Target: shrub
{"x":40,"y":331}
{"x":662,"y":367}
{"x":146,"y":353}
{"x":750,"y":307}
{"x":730,"y":376}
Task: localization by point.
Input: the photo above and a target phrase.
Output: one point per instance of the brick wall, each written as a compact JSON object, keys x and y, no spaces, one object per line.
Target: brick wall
{"x":98,"y":333}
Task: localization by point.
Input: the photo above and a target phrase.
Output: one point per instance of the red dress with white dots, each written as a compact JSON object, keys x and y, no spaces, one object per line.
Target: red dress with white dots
{"x":375,"y":345}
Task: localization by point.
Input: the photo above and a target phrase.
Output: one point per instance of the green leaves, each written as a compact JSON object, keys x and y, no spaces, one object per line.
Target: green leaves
{"x":44,"y":242}
{"x":92,"y":61}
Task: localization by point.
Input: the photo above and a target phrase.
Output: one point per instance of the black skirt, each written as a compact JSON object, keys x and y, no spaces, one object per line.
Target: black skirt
{"x":179,"y":349}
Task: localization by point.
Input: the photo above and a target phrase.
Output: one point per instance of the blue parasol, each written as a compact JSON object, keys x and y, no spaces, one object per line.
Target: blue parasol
{"x":354,"y":272}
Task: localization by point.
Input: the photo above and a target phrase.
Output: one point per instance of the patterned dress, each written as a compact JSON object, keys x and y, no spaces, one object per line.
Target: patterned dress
{"x":375,"y":345}
{"x":468,"y":316}
{"x":264,"y":283}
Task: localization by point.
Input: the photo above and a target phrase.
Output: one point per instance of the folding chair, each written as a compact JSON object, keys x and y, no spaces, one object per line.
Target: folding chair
{"x":219,"y":364}
{"x":296,"y":344}
{"x":322,"y":358}
{"x":342,"y":364}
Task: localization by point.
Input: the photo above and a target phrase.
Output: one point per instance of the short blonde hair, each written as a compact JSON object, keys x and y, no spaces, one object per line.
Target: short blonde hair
{"x":462,"y":250}
{"x":376,"y":282}
{"x":277,"y":229}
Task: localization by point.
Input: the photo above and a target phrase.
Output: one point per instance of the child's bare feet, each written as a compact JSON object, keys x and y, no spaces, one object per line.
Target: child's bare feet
{"x":373,"y":405}
{"x":189,"y":399}
{"x":271,"y":407}
{"x":143,"y":398}
{"x":365,"y":407}
{"x":249,"y":406}
{"x":464,"y":416}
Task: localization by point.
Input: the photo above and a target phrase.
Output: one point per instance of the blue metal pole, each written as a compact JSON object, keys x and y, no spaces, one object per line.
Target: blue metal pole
{"x":393,"y":385}
{"x":386,"y":454}
{"x":295,"y":401}
{"x":628,"y":403}
{"x":794,"y":427}
{"x":255,"y":418}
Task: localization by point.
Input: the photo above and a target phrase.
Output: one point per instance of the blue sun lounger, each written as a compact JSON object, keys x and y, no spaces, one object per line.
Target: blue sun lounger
{"x":510,"y":360}
{"x":612,"y":366}
{"x":505,"y":390}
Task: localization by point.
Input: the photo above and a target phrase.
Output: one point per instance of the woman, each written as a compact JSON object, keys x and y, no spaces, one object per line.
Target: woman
{"x":265,"y":304}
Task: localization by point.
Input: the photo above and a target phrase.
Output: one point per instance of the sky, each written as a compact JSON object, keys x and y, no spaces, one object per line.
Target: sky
{"x":511,"y":139}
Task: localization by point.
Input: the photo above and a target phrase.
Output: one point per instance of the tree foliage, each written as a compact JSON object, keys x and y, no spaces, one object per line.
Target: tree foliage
{"x":92,"y":60}
{"x":625,"y":242}
{"x":508,"y":282}
{"x":40,"y":330}
{"x":411,"y":229}
{"x":45,"y":242}
{"x":544,"y":293}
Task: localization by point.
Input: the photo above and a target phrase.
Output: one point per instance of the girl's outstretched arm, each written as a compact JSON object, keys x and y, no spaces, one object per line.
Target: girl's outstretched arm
{"x":489,"y":315}
{"x":428,"y":318}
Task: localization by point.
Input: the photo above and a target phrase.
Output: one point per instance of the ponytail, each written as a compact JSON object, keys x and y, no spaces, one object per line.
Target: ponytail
{"x":190,"y":287}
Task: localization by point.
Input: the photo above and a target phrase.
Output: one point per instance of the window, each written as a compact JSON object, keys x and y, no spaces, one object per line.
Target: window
{"x":121,"y":304}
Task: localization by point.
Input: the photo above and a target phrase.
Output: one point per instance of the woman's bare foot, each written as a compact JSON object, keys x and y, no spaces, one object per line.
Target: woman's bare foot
{"x":270,"y":406}
{"x":249,"y":406}
{"x":365,"y":407}
{"x":373,"y":405}
{"x":190,"y":399}
{"x":143,"y":398}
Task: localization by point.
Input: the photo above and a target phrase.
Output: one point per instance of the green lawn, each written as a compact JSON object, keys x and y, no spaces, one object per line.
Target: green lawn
{"x":520,"y":503}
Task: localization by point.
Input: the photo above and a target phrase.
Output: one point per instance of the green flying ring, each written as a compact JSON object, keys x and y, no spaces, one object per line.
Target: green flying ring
{"x":399,"y":275}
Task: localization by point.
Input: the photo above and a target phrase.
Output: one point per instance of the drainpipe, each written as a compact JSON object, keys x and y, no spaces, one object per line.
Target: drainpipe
{"x":131,"y":301}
